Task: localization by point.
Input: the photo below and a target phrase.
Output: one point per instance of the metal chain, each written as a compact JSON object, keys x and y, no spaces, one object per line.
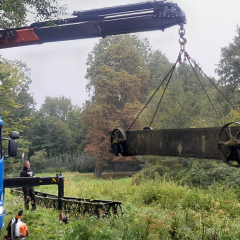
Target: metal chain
{"x":182,"y":41}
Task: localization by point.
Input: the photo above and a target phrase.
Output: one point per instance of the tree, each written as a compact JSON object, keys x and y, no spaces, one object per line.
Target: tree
{"x":16,"y":105}
{"x":38,"y":160}
{"x":57,"y":128}
{"x":232,"y":116}
{"x":123,"y":52}
{"x":159,"y":66}
{"x":118,"y":78}
{"x":49,"y":134}
{"x":57,"y":107}
{"x":14,"y":13}
{"x":77,"y":130}
{"x":63,"y":109}
{"x":229,"y":65}
{"x":24,"y":99}
{"x":13,"y":78}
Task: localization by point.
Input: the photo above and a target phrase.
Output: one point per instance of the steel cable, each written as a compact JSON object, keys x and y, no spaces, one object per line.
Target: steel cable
{"x":215,"y":86}
{"x":188,"y":58}
{"x":170,"y":72}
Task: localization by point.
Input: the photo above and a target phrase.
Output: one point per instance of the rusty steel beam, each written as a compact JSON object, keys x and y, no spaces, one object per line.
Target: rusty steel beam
{"x":188,"y":143}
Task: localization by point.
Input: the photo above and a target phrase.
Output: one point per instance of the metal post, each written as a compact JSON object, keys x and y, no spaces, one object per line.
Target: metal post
{"x":60,"y":190}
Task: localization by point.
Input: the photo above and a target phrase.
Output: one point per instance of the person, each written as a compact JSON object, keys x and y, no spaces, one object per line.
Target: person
{"x":28,"y":191}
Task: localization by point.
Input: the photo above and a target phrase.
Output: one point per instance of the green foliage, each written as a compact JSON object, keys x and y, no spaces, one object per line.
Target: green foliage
{"x":57,"y":107}
{"x":17,"y":106}
{"x":55,"y":169}
{"x":184,"y":103}
{"x":74,"y":162}
{"x":50,"y":134}
{"x":14,"y":78}
{"x":159,"y":66}
{"x":71,"y":117}
{"x":77,"y":130}
{"x":38,"y":161}
{"x":151,"y":171}
{"x":200,"y":173}
{"x":232,"y":116}
{"x":204,"y":175}
{"x":120,"y":53}
{"x":175,"y":212}
{"x":13,"y":166}
{"x":14,"y":12}
{"x":228,"y":66}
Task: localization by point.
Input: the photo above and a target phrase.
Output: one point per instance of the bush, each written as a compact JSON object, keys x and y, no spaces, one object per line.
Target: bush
{"x":205,"y":175}
{"x":80,"y":163}
{"x":194,"y":173}
{"x":38,"y":161}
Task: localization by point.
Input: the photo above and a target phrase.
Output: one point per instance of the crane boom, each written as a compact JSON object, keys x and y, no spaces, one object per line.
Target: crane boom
{"x":132,"y":18}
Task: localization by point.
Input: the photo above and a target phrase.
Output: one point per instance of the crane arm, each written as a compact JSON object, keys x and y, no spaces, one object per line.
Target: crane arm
{"x":148,"y":16}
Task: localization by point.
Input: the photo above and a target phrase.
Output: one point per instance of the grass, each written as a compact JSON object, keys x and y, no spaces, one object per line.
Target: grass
{"x":154,"y":209}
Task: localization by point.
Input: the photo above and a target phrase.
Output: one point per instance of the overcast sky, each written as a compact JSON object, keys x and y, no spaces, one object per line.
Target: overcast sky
{"x":59,"y":68}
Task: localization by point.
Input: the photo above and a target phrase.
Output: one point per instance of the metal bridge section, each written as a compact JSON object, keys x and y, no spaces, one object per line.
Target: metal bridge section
{"x":202,"y":143}
{"x":188,"y":143}
{"x":99,"y":208}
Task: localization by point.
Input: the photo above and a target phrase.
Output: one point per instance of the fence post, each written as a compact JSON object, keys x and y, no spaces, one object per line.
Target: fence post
{"x":60,"y":190}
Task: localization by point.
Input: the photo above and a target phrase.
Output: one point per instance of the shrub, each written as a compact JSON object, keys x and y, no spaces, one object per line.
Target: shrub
{"x":204,"y":176}
{"x":38,"y":161}
{"x":80,"y":163}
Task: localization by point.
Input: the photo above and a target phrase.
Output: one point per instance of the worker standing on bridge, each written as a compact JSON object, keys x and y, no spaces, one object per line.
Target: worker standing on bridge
{"x":28,"y":191}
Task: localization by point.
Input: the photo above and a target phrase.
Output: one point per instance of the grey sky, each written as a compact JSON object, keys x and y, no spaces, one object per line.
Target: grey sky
{"x":59,"y":68}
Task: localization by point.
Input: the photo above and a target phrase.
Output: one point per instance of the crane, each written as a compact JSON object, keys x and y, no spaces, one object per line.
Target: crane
{"x":148,"y":16}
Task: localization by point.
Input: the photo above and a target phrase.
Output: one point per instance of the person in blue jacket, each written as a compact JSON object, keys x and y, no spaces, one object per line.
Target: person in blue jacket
{"x":28,"y":191}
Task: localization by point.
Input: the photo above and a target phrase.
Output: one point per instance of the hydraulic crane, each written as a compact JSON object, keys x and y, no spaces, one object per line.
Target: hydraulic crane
{"x":147,"y":16}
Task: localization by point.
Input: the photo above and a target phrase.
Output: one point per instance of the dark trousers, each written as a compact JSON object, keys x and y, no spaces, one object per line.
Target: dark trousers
{"x":29,"y":193}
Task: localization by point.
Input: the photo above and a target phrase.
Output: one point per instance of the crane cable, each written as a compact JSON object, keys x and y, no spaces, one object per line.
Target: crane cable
{"x":215,"y":85}
{"x":182,"y":42}
{"x":215,"y":109}
{"x":169,"y":73}
{"x":164,"y":91}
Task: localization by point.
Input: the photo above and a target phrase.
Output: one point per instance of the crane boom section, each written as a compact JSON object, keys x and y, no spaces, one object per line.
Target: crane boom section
{"x":133,"y":18}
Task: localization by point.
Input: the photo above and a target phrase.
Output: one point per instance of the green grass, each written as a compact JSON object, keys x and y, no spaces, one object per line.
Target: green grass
{"x":154,"y":209}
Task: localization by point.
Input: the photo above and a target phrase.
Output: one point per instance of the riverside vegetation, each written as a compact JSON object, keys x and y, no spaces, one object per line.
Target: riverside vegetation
{"x":170,"y":199}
